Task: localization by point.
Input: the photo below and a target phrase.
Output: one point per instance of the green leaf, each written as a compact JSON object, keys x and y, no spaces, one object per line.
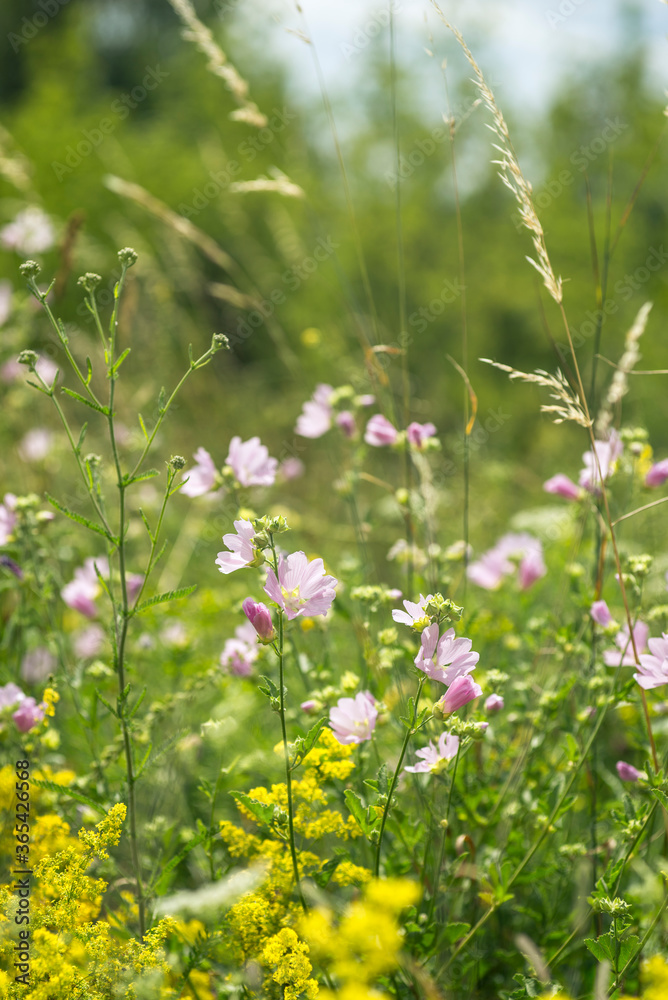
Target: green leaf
{"x":170,"y":595}
{"x":661,"y":796}
{"x":71,"y":793}
{"x":629,"y":947}
{"x":106,"y":704}
{"x":82,"y":435}
{"x":87,"y":402}
{"x":142,"y":425}
{"x":117,"y":364}
{"x":146,"y":524}
{"x":178,"y":858}
{"x":140,"y":699}
{"x":306,"y":743}
{"x":144,"y":760}
{"x":149,"y":474}
{"x":261,"y":810}
{"x":603,"y":948}
{"x":452,"y":932}
{"x":323,"y":877}
{"x":358,"y":810}
{"x":80,"y":519}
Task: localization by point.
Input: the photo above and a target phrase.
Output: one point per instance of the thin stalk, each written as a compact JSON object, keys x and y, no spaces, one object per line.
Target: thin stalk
{"x":642,"y":942}
{"x":286,"y":757}
{"x":441,"y":852}
{"x":395,"y":777}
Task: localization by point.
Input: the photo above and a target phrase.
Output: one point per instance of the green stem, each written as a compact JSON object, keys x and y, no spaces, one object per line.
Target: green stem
{"x":441,"y":852}
{"x":286,"y":756}
{"x":395,"y":777}
{"x":642,"y":942}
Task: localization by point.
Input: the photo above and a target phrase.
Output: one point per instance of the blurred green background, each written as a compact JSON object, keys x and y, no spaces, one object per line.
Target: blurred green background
{"x":67,"y":78}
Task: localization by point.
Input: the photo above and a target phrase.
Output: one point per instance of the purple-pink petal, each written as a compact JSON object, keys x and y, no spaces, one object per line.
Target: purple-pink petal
{"x":658,"y":474}
{"x":202,"y":477}
{"x":562,"y":486}
{"x":601,"y":613}
{"x":380,"y":432}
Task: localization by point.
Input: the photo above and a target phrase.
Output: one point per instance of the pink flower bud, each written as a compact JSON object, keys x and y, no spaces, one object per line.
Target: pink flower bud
{"x":259,"y":616}
{"x":28,"y":714}
{"x":658,"y":474}
{"x":346,"y":421}
{"x":627,"y":772}
{"x":494,"y":703}
{"x":600,"y":613}
{"x":563,"y":487}
{"x":462,"y":690}
{"x":379,"y":431}
{"x":309,"y":706}
{"x":419,"y":434}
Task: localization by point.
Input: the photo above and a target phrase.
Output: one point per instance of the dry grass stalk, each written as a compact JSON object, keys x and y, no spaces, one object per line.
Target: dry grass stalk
{"x":14,"y":166}
{"x":620,"y":380}
{"x":568,"y":406}
{"x":510,"y":172}
{"x":279,"y":185}
{"x":218,"y":64}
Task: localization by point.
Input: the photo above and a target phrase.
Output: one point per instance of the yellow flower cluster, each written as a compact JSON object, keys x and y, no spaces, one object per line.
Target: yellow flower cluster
{"x":292,"y":969}
{"x":366,"y":942}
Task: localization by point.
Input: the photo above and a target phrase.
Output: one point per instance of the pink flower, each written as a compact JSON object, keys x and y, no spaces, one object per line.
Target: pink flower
{"x":493,"y":565}
{"x":494,"y":703}
{"x":489,"y":570}
{"x":308,"y":706}
{"x":601,"y":613}
{"x":462,"y":690}
{"x":658,"y":474}
{"x":414,"y":615}
{"x":134,"y":583}
{"x":607,"y":453}
{"x":346,"y":421}
{"x":259,"y":616}
{"x":37,"y":664}
{"x":250,"y":462}
{"x":202,"y":478}
{"x":532,"y":567}
{"x":302,"y":588}
{"x":30,"y":232}
{"x":81,"y":592}
{"x":239,"y":654}
{"x":653,"y":670}
{"x":28,"y":714}
{"x":563,"y":486}
{"x":316,"y":416}
{"x":353,"y":720}
{"x":419,"y":434}
{"x":89,"y":642}
{"x":366,"y":400}
{"x":448,"y":744}
{"x":627,"y":772}
{"x":380,"y":432}
{"x":291,"y":468}
{"x":10,"y":695}
{"x":623,"y":655}
{"x":36,"y":444}
{"x":8,"y":518}
{"x":242,"y":551}
{"x":447,"y":652}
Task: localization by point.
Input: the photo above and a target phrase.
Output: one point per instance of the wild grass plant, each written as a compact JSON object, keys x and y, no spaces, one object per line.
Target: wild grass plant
{"x":439,"y":776}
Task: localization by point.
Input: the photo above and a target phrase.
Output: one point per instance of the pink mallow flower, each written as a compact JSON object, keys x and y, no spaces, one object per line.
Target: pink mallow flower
{"x":623,"y":655}
{"x":316,"y":416}
{"x":419,"y":434}
{"x":239,"y":654}
{"x":658,"y":474}
{"x":607,"y":453}
{"x":250,"y":462}
{"x":346,"y":421}
{"x":259,"y":616}
{"x":380,"y":432}
{"x":242,"y":551}
{"x":433,"y":756}
{"x":353,"y":720}
{"x":415,"y":615}
{"x":653,"y":670}
{"x":28,"y":714}
{"x":462,"y":690}
{"x":494,"y":703}
{"x":564,"y":487}
{"x":600,"y":613}
{"x":200,"y":479}
{"x":627,"y":772}
{"x":302,"y":588}
{"x":493,"y":565}
{"x":82,"y":592}
{"x":37,"y":664}
{"x":10,"y":695}
{"x":446,"y":658}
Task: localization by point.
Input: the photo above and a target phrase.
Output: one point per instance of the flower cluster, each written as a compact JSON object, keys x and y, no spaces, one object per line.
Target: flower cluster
{"x":599,"y":464}
{"x":239,"y":654}
{"x":248,"y":463}
{"x":497,"y":562}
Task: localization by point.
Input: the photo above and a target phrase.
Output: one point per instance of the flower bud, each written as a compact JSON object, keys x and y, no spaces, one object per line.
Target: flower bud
{"x":28,"y":358}
{"x":177,"y":462}
{"x":462,"y":690}
{"x":220,"y":342}
{"x":259,"y":616}
{"x":30,"y":269}
{"x":89,"y":281}
{"x":127,"y":256}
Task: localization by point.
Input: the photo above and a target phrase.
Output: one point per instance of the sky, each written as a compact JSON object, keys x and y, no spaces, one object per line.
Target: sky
{"x":528,"y":45}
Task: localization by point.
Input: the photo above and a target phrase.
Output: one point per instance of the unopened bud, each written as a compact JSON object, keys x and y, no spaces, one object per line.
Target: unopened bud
{"x":219,"y":342}
{"x":28,"y":358}
{"x":89,"y":281}
{"x":29,"y":269}
{"x":127,"y":256}
{"x":177,"y":462}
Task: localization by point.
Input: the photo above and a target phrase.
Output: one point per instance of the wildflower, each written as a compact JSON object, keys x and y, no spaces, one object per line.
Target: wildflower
{"x":489,"y":570}
{"x":462,"y":690}
{"x":601,"y":613}
{"x":606,"y":455}
{"x":310,"y":705}
{"x":10,"y":695}
{"x":658,"y":474}
{"x":433,"y":755}
{"x":346,"y":421}
{"x":291,"y":468}
{"x":653,"y":670}
{"x":447,"y":652}
{"x":366,"y":399}
{"x":250,"y":462}
{"x":239,"y":654}
{"x":302,"y":588}
{"x":563,"y":486}
{"x":419,"y":434}
{"x":532,"y":567}
{"x":242,"y":550}
{"x":81,"y":592}
{"x":415,"y":614}
{"x":28,"y":714}
{"x":36,"y":444}
{"x":493,"y":565}
{"x":494,"y":703}
{"x":89,"y":642}
{"x":627,"y":772}
{"x":30,"y":232}
{"x":8,"y":518}
{"x":623,"y":655}
{"x":316,"y":416}
{"x":379,"y":431}
{"x":37,"y":664}
{"x":202,"y":478}
{"x":353,"y":720}
{"x":259,"y":616}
